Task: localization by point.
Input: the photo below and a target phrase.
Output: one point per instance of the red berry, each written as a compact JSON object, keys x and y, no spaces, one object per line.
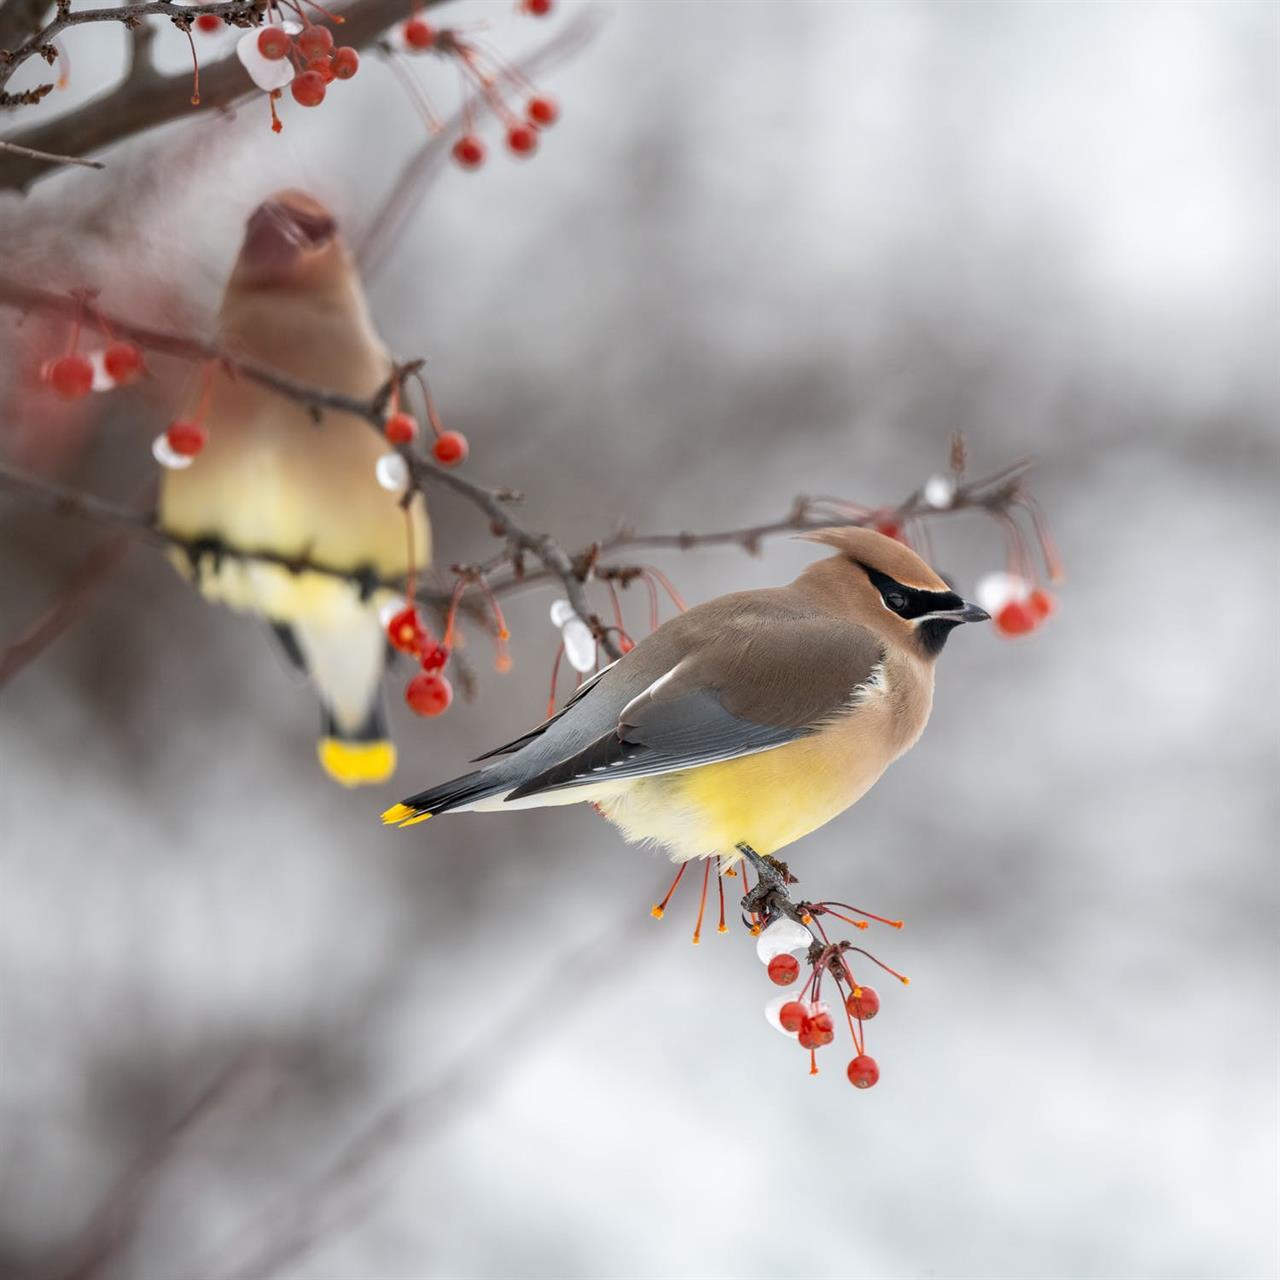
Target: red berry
{"x":186,"y":438}
{"x":308,"y":89}
{"x":401,"y":428}
{"x":405,"y":631}
{"x":435,"y":658}
{"x":792,"y":1015}
{"x":542,"y":111}
{"x":71,"y":377}
{"x":468,"y":151}
{"x":817,"y":1029}
{"x":539,"y":8}
{"x":323,"y":67}
{"x":1041,"y":603}
{"x":428,"y":694}
{"x":450,"y":448}
{"x":208,"y":22}
{"x":863,"y":1072}
{"x":122,"y":361}
{"x":863,"y":1003}
{"x":890,"y":529}
{"x":1016,"y":618}
{"x":522,"y":140}
{"x":273,"y":43}
{"x":346,"y":62}
{"x":418,"y":34}
{"x":315,"y":42}
{"x":784,"y":970}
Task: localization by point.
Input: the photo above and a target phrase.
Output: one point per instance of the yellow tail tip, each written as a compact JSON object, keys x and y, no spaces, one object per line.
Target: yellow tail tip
{"x":357,"y":764}
{"x":403,"y":815}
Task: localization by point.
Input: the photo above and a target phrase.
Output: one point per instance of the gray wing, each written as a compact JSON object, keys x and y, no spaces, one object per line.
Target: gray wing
{"x":760,"y":678}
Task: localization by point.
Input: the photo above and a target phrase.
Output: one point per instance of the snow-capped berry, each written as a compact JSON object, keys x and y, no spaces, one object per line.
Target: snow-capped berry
{"x":816,"y":1029}
{"x":434,"y":658}
{"x":163,"y":453}
{"x":405,"y":630}
{"x":522,"y":140}
{"x":468,"y":151}
{"x":346,"y":62}
{"x":781,"y":936}
{"x":315,"y":42}
{"x":542,"y":111}
{"x":1016,"y":618}
{"x":208,"y":23}
{"x":863,"y":1072}
{"x":428,"y":694}
{"x":308,"y":89}
{"x":273,"y":43}
{"x":863,"y":1003}
{"x":784,"y":970}
{"x":1041,"y":603}
{"x":122,"y":361}
{"x":401,"y":428}
{"x":71,"y":376}
{"x":994,"y":590}
{"x":939,"y":492}
{"x":792,"y":1015}
{"x":392,"y":472}
{"x":418,"y":34}
{"x":186,"y":438}
{"x":450,"y":448}
{"x":772,"y":1014}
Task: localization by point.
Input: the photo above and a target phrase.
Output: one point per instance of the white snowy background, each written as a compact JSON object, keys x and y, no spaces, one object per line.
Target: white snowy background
{"x":771,"y":248}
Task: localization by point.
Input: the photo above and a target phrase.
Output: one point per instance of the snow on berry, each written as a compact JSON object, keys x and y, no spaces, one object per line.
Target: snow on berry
{"x":939,"y":492}
{"x":579,"y":642}
{"x":816,"y":1028}
{"x":257,"y":51}
{"x":1017,"y":618}
{"x":773,"y":1014}
{"x":791,"y":1014}
{"x":167,"y":456}
{"x":784,"y":935}
{"x":392,"y":472}
{"x":186,"y":438}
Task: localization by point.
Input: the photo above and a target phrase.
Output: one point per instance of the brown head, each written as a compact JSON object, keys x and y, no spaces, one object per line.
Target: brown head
{"x":884,"y":585}
{"x":291,"y":241}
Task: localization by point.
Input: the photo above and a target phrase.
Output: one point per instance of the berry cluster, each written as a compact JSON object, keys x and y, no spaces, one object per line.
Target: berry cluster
{"x":488,"y":77}
{"x":1017,"y":604}
{"x":300,"y":56}
{"x":805,"y":1016}
{"x":73,"y":375}
{"x":429,"y":693}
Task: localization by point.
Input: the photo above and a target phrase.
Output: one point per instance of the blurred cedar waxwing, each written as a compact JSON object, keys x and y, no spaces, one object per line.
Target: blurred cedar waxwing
{"x":271,"y":478}
{"x":749,"y":720}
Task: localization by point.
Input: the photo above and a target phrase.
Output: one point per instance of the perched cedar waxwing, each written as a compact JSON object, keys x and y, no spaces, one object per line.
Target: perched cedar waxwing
{"x":271,"y":478}
{"x":750,"y":720}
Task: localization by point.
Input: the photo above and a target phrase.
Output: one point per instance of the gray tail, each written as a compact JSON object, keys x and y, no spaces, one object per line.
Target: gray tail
{"x":456,"y":792}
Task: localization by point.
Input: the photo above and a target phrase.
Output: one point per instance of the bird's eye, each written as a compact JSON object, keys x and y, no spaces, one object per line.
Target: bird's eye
{"x":896,"y":601}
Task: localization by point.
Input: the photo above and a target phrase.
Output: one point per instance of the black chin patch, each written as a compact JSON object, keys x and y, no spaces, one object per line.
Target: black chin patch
{"x":933,"y":634}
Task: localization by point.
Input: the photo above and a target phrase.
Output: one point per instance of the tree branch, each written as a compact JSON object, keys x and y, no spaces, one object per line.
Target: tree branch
{"x":136,"y":105}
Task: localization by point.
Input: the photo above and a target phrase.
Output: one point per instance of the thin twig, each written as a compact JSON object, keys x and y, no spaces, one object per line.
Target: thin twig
{"x":48,"y":157}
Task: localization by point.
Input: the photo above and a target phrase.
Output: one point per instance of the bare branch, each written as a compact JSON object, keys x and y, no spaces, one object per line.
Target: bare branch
{"x":136,"y":105}
{"x":47,"y":157}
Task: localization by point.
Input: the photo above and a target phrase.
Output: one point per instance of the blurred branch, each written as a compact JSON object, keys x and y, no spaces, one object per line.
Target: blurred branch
{"x":47,"y":157}
{"x":142,"y":102}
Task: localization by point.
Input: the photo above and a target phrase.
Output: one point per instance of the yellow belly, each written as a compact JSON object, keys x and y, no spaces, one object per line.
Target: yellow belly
{"x":768,"y":800}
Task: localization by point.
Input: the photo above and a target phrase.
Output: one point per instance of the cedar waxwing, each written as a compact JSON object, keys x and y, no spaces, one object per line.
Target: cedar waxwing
{"x":272,"y":478}
{"x":750,"y":720}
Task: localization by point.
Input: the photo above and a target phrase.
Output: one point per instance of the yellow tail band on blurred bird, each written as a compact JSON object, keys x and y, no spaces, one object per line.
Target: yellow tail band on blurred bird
{"x":402,"y":815}
{"x":356,"y":764}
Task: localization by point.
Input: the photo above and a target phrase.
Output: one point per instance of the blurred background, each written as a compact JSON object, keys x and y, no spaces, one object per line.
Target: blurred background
{"x":771,"y":249}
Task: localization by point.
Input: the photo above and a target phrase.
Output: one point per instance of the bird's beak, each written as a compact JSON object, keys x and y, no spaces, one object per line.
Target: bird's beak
{"x":966,"y":613}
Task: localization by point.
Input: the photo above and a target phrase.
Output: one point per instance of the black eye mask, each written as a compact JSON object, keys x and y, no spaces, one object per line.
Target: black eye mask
{"x":911,"y":602}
